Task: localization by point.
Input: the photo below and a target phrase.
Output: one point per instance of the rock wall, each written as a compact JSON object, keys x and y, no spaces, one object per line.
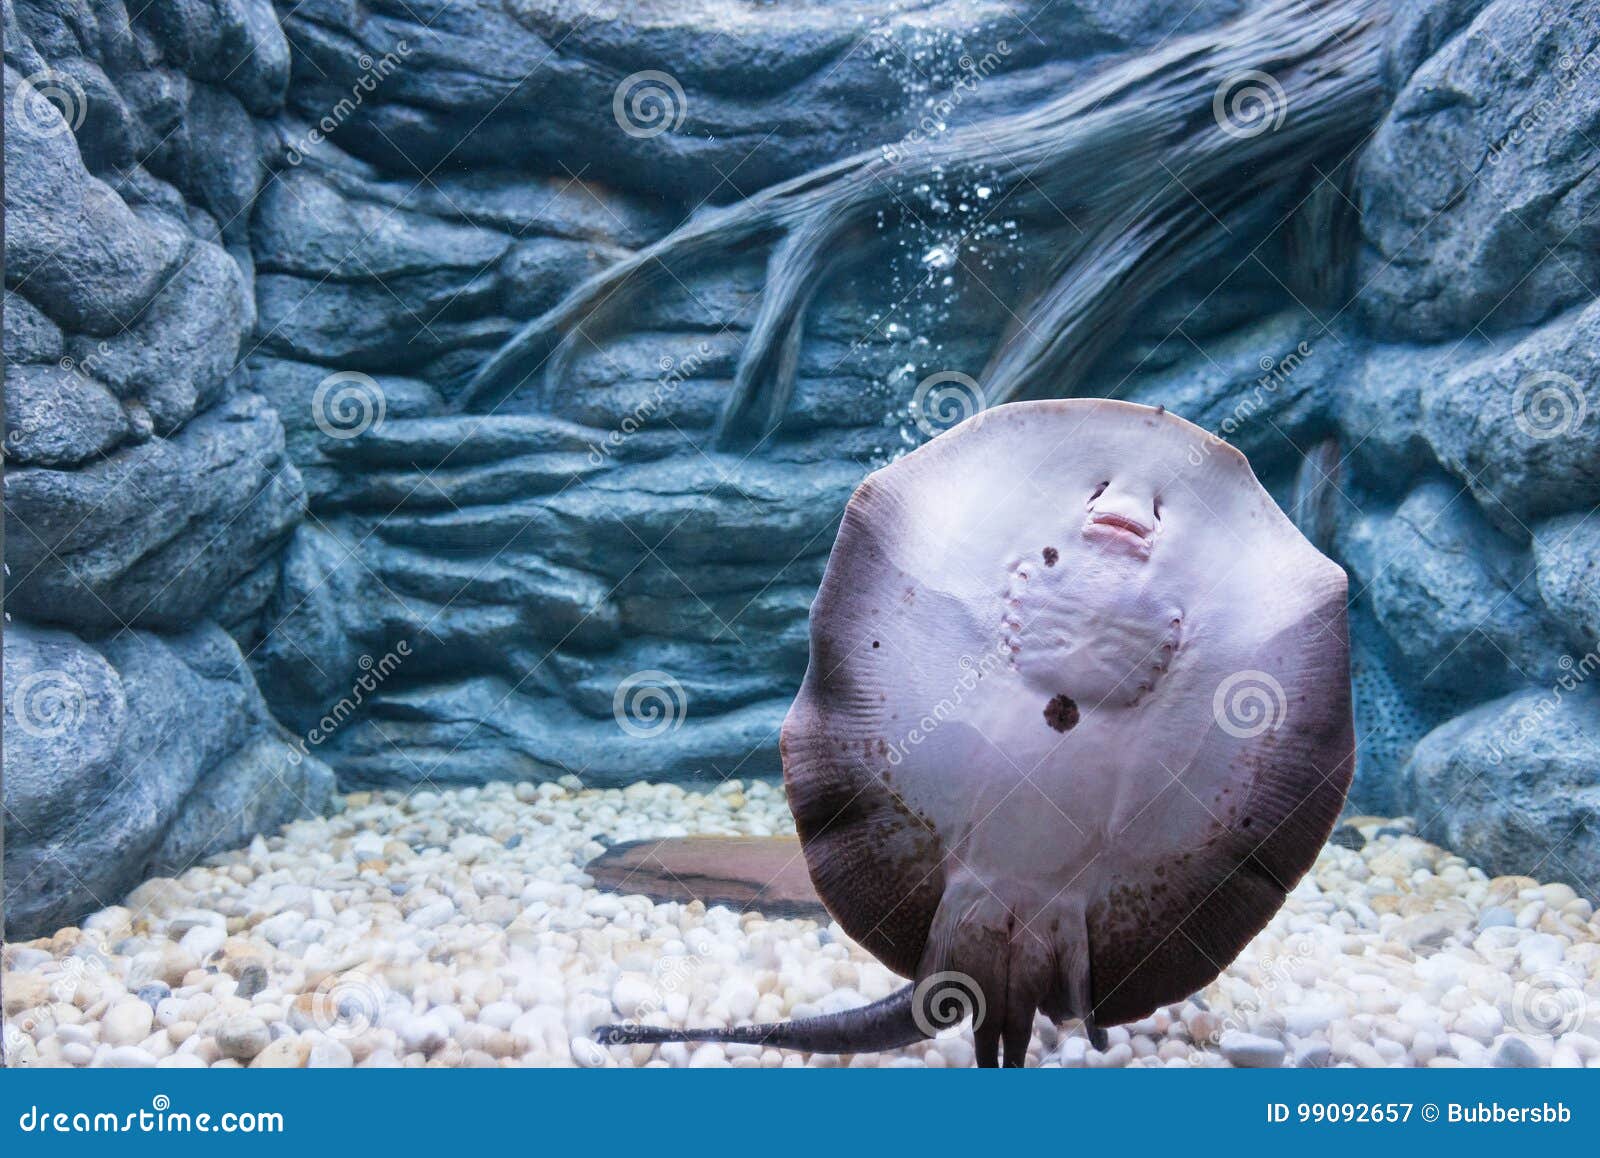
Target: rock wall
{"x":254,"y":254}
{"x":148,"y":493}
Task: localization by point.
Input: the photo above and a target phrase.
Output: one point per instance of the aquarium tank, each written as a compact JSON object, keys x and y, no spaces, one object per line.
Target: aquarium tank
{"x":914,"y":533}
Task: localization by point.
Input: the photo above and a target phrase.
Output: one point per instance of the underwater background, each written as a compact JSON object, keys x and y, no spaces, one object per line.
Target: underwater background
{"x":453,"y":403}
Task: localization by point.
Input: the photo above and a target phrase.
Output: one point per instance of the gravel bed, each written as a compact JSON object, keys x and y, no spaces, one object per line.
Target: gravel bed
{"x":459,"y":929}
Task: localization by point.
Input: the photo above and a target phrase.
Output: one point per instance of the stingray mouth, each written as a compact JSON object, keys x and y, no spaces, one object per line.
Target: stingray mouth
{"x":1119,"y":528}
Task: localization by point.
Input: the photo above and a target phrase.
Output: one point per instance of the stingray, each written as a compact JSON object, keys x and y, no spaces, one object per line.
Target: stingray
{"x":1077,"y":718}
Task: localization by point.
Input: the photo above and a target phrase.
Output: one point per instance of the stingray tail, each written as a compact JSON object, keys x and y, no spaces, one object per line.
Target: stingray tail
{"x":886,"y":1024}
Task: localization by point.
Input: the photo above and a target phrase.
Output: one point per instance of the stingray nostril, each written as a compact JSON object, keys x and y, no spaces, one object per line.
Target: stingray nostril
{"x":1099,"y":490}
{"x":1155,"y":508}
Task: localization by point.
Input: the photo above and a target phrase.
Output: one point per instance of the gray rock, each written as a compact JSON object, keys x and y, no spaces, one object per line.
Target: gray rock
{"x":29,"y":335}
{"x":539,"y":271}
{"x":59,"y":417}
{"x":1313,"y":1055}
{"x":154,"y":992}
{"x":1478,"y":194}
{"x":293,"y":390}
{"x":234,"y":43}
{"x":1566,"y":551}
{"x":1512,"y":785}
{"x":305,"y":226}
{"x":397,"y":324}
{"x":1496,"y":917}
{"x":323,"y":607}
{"x":1519,"y":427}
{"x":486,"y":728}
{"x":1453,"y":595}
{"x":1515,"y":1053}
{"x":131,"y":757}
{"x":177,"y":357}
{"x":1379,"y":409}
{"x":70,"y":241}
{"x":252,"y":980}
{"x":1252,"y":1051}
{"x":154,"y":534}
{"x":214,"y":157}
{"x":65,"y":718}
{"x":243,"y":1036}
{"x":1416,"y":31}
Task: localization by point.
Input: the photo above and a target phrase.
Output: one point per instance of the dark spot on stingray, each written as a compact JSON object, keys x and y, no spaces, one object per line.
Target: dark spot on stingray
{"x":874,"y":643}
{"x":1050,"y":556}
{"x":1061,"y":714}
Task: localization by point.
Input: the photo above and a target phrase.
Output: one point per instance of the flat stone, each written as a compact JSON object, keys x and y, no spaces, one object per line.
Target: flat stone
{"x":1251,"y":1051}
